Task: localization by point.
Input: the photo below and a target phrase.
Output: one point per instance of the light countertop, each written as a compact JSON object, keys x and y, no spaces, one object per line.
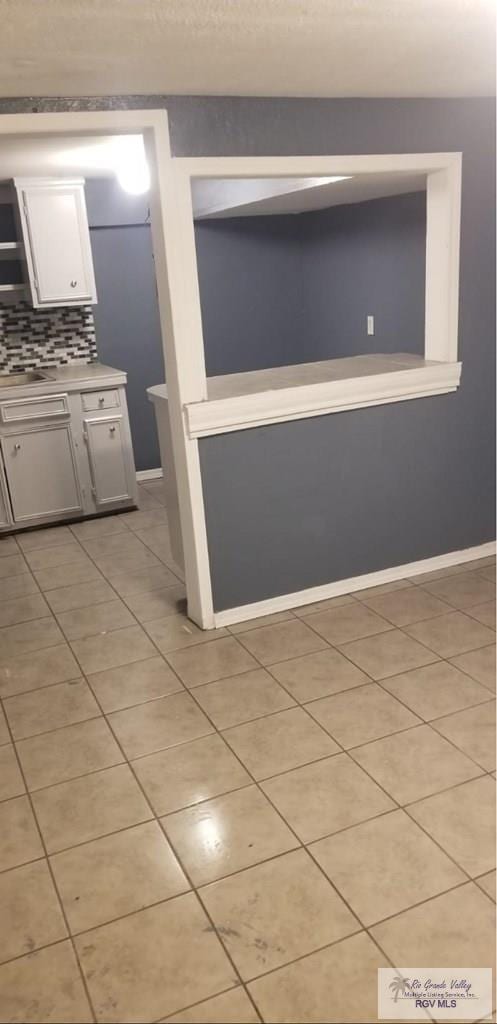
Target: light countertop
{"x":74,"y":377}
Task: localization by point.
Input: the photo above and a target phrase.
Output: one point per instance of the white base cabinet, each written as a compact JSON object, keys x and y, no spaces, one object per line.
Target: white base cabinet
{"x":41,"y":471}
{"x":106,"y":442}
{"x":64,"y":456}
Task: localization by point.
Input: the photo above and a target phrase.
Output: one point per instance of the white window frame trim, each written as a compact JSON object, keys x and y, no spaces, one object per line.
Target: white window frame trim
{"x":204,"y":417}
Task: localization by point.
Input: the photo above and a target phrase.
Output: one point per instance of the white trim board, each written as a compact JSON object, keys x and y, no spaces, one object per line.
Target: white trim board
{"x":185,"y":363}
{"x":241,"y":412}
{"x":149,"y":474}
{"x":443,"y":211}
{"x":284,"y":602}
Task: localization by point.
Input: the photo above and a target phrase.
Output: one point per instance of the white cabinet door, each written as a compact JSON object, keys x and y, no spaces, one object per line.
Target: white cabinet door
{"x":109,"y":459}
{"x":56,"y":238}
{"x":41,"y":473}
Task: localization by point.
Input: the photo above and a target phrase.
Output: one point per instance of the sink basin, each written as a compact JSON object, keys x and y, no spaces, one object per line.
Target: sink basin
{"x":11,"y":380}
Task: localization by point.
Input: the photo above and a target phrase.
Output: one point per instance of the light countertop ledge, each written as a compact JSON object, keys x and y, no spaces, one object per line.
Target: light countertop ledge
{"x":245,"y":400}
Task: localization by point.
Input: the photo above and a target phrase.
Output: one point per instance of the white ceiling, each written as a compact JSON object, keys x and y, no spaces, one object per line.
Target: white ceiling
{"x":98,"y":157}
{"x":254,"y":197}
{"x":40,"y":157}
{"x":248,"y":47}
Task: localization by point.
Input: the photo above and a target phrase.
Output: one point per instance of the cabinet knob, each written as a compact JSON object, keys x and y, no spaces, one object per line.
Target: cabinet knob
{"x":17,"y":447}
{"x":101,"y":400}
{"x":112,"y":430}
{"x":73,"y":284}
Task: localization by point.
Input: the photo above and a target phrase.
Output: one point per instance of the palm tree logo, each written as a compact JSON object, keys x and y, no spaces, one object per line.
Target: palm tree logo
{"x":398,"y":986}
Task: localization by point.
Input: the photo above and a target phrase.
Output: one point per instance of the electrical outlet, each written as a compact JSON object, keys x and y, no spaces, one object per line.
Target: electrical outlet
{"x":370,"y":323}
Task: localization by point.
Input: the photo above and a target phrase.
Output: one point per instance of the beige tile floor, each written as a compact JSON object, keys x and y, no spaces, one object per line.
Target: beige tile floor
{"x":242,"y":825}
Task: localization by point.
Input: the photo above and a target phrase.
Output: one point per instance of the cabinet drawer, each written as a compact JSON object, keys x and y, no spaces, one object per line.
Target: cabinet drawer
{"x":108,"y":399}
{"x":52,"y":407}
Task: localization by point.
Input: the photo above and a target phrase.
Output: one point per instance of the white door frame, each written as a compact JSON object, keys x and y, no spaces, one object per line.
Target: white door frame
{"x":185,"y":365}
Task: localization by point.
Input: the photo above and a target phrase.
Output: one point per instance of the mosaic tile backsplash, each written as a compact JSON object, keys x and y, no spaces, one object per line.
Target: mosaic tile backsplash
{"x":31,"y":338}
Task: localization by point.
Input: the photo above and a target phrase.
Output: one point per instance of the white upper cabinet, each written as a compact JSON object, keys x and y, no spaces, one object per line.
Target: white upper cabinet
{"x":54,"y":226}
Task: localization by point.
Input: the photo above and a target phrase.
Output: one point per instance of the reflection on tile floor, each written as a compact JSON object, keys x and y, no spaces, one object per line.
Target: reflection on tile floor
{"x":243,"y":825}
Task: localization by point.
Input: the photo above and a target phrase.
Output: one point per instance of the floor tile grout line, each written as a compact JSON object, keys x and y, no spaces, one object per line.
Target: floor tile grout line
{"x":390,"y":917}
{"x":289,"y":616}
{"x":441,"y":657}
{"x":46,"y":732}
{"x":429,"y":722}
{"x":454,"y":744}
{"x":46,"y":945}
{"x":219,"y":732}
{"x":159,"y":818}
{"x":306,"y":956}
{"x":394,"y":625}
{"x":406,"y":809}
{"x":265,"y":667}
{"x":259,"y":789}
{"x":216,"y":730}
{"x":336,"y":643}
{"x":44,"y":686}
{"x":205,"y":885}
{"x":407,"y":672}
{"x":394,"y":732}
{"x":173,"y":848}
{"x":54,"y":883}
{"x":424,"y":588}
{"x":215,"y":727}
{"x":379,"y":683}
{"x":460,"y":711}
{"x":76,"y":778}
{"x":404,"y":629}
{"x":459,"y":568}
{"x":143,"y":625}
{"x":178,"y":859}
{"x":423,"y":721}
{"x":268,"y":668}
{"x":193,"y":1006}
{"x":377,"y":739}
{"x":166,"y":814}
{"x":244,"y":766}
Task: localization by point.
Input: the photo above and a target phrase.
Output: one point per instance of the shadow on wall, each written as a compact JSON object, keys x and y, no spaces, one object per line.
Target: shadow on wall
{"x":127,"y":313}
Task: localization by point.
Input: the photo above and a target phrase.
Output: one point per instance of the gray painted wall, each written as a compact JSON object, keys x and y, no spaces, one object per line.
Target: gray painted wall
{"x":274,"y":290}
{"x":360,"y":259}
{"x":299,"y":504}
{"x":292,"y":289}
{"x":303,"y":503}
{"x":127,"y":314}
{"x":252,"y":293}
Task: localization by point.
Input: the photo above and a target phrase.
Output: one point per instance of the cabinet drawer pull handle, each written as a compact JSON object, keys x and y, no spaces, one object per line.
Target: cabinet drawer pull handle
{"x":112,"y":430}
{"x":101,"y":400}
{"x":73,"y":284}
{"x":17,"y":447}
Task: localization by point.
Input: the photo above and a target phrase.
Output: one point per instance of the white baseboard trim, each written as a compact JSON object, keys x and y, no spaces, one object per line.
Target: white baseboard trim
{"x":148,"y":474}
{"x":283,"y":602}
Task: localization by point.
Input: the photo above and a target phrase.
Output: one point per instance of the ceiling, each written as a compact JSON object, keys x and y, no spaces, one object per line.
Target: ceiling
{"x":247,"y":47}
{"x":255,"y":197}
{"x":103,"y":156}
{"x":40,"y":157}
